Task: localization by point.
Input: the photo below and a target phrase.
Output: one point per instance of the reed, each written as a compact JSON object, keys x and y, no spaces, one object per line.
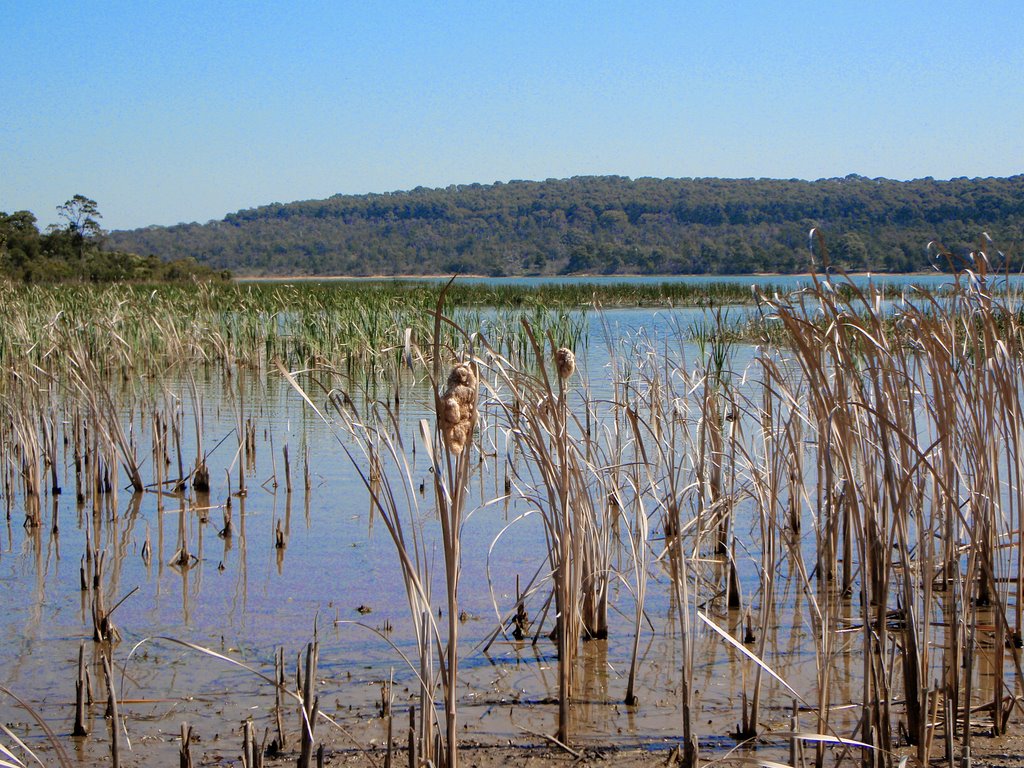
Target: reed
{"x":916,"y":415}
{"x":386,"y":472}
{"x":667,"y":447}
{"x":572,"y":471}
{"x":305,"y":685}
{"x":350,"y":324}
{"x":252,"y":749}
{"x":868,"y":467}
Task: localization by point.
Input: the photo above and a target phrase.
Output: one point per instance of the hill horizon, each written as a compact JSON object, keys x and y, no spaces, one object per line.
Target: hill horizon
{"x":603,"y":225}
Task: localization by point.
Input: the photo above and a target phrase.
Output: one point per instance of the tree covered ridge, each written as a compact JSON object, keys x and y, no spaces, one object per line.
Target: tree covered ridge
{"x":606,"y":225}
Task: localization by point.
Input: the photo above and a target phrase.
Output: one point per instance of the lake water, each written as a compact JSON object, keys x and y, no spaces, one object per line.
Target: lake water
{"x":244,"y":596}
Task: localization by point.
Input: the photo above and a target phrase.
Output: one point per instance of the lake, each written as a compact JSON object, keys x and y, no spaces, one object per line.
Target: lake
{"x":320,"y":557}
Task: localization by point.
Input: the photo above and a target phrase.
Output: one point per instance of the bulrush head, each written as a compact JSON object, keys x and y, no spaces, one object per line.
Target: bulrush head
{"x":458,"y":408}
{"x":565,"y":360}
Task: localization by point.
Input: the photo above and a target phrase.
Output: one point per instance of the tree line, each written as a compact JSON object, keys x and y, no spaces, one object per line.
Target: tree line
{"x":74,"y":250}
{"x":608,"y":225}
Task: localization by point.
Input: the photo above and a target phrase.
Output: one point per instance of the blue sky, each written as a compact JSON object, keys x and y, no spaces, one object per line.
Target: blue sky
{"x":167,"y":112}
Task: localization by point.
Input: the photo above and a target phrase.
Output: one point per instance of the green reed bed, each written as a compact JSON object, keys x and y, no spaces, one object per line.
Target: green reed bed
{"x":581,"y":293}
{"x":353,"y":325}
{"x":142,"y":329}
{"x":569,"y":295}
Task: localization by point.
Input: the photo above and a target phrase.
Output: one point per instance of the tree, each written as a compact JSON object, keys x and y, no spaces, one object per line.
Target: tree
{"x":70,"y":252}
{"x":850,"y":252}
{"x":19,"y":241}
{"x":81,"y":215}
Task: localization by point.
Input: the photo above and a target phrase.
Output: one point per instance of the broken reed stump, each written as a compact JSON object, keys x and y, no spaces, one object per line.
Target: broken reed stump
{"x":185,"y":750}
{"x":103,"y":629}
{"x":287,"y":470}
{"x":201,"y":478}
{"x":81,"y":686}
{"x":252,"y":752}
{"x":112,"y":713}
{"x":735,"y":598}
{"x":306,"y":685}
{"x":413,"y":759}
{"x":279,"y":673}
{"x":390,"y":747}
{"x":225,"y":532}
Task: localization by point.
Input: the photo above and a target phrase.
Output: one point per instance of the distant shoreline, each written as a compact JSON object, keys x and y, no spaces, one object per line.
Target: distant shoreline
{"x":602,"y":278}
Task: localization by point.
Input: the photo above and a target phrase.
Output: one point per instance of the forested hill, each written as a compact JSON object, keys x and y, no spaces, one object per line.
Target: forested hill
{"x":605,"y":225}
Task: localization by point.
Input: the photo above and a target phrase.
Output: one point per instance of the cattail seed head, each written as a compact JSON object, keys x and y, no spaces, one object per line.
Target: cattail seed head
{"x":565,"y":361}
{"x":458,"y":408}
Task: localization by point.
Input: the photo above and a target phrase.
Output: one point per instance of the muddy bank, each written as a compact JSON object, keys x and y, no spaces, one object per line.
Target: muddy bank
{"x":1003,"y":752}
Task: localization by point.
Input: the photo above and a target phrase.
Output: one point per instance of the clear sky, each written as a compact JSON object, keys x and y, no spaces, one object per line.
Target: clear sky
{"x":165,"y":112}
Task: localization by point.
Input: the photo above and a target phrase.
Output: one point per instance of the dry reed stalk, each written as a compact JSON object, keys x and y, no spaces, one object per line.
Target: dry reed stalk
{"x":95,"y":391}
{"x":80,"y":691}
{"x":451,"y":484}
{"x":112,"y":710}
{"x":200,"y":471}
{"x":680,"y":583}
{"x":61,"y":753}
{"x":185,"y":748}
{"x":48,"y":427}
{"x":309,"y":702}
{"x":281,"y":740}
{"x":102,"y":628}
{"x":540,"y":425}
{"x":252,"y":750}
{"x":638,"y":546}
{"x":917,"y":442}
{"x":393,"y":500}
{"x":287,"y":469}
{"x":240,"y":431}
{"x":665,"y":446}
{"x":29,"y":451}
{"x":182,"y":557}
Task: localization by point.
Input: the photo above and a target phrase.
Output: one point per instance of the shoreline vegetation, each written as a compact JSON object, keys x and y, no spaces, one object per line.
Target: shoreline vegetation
{"x":588,"y":278}
{"x":869,"y":464}
{"x":362,"y":321}
{"x":74,"y":252}
{"x":867,"y":461}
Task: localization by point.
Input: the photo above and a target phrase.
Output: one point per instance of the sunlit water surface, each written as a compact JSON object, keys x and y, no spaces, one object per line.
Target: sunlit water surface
{"x":245,"y":597}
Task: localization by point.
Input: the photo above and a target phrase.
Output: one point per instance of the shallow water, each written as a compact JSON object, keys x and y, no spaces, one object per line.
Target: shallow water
{"x":245,"y":597}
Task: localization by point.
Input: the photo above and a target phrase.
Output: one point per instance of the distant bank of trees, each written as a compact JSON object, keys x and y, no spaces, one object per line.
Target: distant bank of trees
{"x":72,"y":250}
{"x":605,"y":225}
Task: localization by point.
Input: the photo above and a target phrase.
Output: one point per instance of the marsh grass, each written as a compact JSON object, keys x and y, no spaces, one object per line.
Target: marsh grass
{"x":917,"y":416}
{"x":869,"y":467}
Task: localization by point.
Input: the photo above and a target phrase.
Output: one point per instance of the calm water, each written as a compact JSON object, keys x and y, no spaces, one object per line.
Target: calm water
{"x":245,"y":597}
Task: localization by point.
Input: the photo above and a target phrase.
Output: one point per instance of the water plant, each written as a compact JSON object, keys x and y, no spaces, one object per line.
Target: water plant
{"x":851,"y":494}
{"x":385,"y":470}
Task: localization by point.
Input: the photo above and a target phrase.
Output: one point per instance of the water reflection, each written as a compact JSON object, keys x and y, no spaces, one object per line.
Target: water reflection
{"x":334,"y":561}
